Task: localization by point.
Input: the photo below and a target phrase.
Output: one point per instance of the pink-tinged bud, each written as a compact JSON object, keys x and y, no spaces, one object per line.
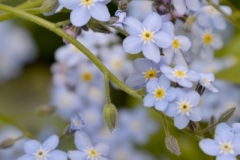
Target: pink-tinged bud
{"x":72,"y":31}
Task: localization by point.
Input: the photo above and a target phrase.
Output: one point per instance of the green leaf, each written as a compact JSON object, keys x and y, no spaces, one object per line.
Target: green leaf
{"x":230,"y":74}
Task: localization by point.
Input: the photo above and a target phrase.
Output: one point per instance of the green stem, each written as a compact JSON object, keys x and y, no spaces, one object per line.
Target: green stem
{"x":165,"y":125}
{"x":12,"y":122}
{"x":107,"y":91}
{"x":208,"y":128}
{"x":60,"y":24}
{"x":30,"y":4}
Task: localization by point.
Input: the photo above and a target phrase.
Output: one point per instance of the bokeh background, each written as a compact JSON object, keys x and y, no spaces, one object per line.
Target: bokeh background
{"x":29,"y":86}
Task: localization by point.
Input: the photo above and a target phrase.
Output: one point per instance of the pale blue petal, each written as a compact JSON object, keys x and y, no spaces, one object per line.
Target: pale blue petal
{"x":236,"y":145}
{"x":210,"y":76}
{"x":69,"y":4}
{"x":82,"y":141}
{"x":219,"y":22}
{"x":57,"y":155}
{"x":169,"y":28}
{"x":212,"y":88}
{"x":179,"y":6}
{"x":132,"y":44}
{"x":161,"y":105}
{"x":149,"y":100}
{"x":223,"y":133}
{"x":80,"y":16}
{"x":142,"y":64}
{"x":133,"y":26}
{"x":151,"y":51}
{"x":203,"y":19}
{"x":153,"y":22}
{"x":195,"y":114}
{"x":163,"y":39}
{"x":152,"y":85}
{"x":27,"y":157}
{"x":193,"y":97}
{"x":51,"y":143}
{"x":226,"y":9}
{"x":226,"y":157}
{"x":77,"y":155}
{"x":102,"y":148}
{"x":136,"y":81}
{"x":193,"y":76}
{"x":164,"y":81}
{"x":102,"y":158}
{"x":185,"y":83}
{"x":166,"y":69}
{"x":236,"y":127}
{"x":99,"y":11}
{"x":170,"y":94}
{"x":209,"y":147}
{"x":193,"y":5}
{"x":168,"y":53}
{"x":185,"y":43}
{"x":171,"y":110}
{"x":181,"y":121}
{"x":181,"y":68}
{"x":178,"y":59}
{"x":31,"y":146}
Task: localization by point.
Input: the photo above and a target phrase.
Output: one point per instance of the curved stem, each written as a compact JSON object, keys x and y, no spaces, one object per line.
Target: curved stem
{"x":107,"y":91}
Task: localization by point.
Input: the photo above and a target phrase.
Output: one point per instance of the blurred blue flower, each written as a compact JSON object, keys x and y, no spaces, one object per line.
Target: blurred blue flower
{"x":185,"y":108}
{"x":86,"y":150}
{"x":145,"y":70}
{"x":77,"y":123}
{"x":182,"y":5}
{"x":159,"y":93}
{"x":206,"y":79}
{"x":224,"y":146}
{"x":45,"y":151}
{"x":121,"y":16}
{"x":83,"y":10}
{"x":180,"y":74}
{"x":236,"y":129}
{"x":146,"y":36}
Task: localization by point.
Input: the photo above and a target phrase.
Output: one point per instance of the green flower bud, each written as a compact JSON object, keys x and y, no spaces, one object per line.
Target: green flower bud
{"x":123,"y":5}
{"x":7,"y":143}
{"x":172,"y":145}
{"x":110,"y":116}
{"x":193,"y":126}
{"x":98,"y":26}
{"x":225,"y":116}
{"x":49,"y":6}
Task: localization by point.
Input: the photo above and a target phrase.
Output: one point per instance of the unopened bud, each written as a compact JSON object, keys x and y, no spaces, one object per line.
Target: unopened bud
{"x":49,"y":7}
{"x":98,"y":26}
{"x":45,"y":110}
{"x":71,"y":31}
{"x":172,"y":145}
{"x":200,"y":89}
{"x":227,"y":115}
{"x":110,"y":116}
{"x":7,"y":143}
{"x":193,"y":126}
{"x":123,"y":5}
{"x":67,"y":131}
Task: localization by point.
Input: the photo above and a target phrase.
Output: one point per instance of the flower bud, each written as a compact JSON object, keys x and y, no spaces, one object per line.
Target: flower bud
{"x":67,"y":131}
{"x":193,"y":126}
{"x":49,"y":7}
{"x":172,"y":145}
{"x":7,"y":143}
{"x":110,"y":116}
{"x":225,"y":116}
{"x":112,"y":20}
{"x":45,"y":110}
{"x":98,"y":26}
{"x":200,"y":89}
{"x":71,"y":31}
{"x":123,"y":5}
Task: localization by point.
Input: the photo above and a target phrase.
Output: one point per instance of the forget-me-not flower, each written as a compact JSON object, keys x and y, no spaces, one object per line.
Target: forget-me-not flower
{"x":206,"y":79}
{"x":236,"y":129}
{"x":121,"y":16}
{"x":83,"y":10}
{"x":159,"y":93}
{"x":185,"y":108}
{"x":182,"y":5}
{"x":146,"y":36}
{"x":86,"y":150}
{"x":46,"y":151}
{"x":77,"y":123}
{"x":180,"y":74}
{"x":145,"y":70}
{"x":224,"y":146}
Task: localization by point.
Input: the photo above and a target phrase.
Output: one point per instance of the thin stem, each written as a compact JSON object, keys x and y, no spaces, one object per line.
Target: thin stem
{"x":30,"y":4}
{"x":208,"y":128}
{"x":107,"y":91}
{"x":59,"y":24}
{"x":12,"y":122}
{"x":165,"y":125}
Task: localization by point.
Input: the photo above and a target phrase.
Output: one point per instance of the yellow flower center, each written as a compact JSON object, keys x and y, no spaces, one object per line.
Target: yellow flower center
{"x":87,"y":76}
{"x":159,"y":93}
{"x":190,"y":20}
{"x":87,"y":2}
{"x":41,"y":154}
{"x":151,"y":74}
{"x":77,"y":123}
{"x":147,"y":36}
{"x":226,"y":147}
{"x":176,"y":44}
{"x":180,"y":74}
{"x":207,"y":38}
{"x":93,"y":153}
{"x":184,"y":107}
{"x":117,"y":64}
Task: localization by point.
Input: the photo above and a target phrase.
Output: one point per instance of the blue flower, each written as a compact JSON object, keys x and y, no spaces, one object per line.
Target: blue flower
{"x":185,"y":108}
{"x":159,"y":93}
{"x":225,"y":146}
{"x":83,"y":10}
{"x":121,"y":15}
{"x":145,"y":70}
{"x":77,"y":123}
{"x":182,"y":5}
{"x":86,"y":150}
{"x":146,"y":36}
{"x":180,"y":74}
{"x":206,"y":79}
{"x":45,"y":151}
